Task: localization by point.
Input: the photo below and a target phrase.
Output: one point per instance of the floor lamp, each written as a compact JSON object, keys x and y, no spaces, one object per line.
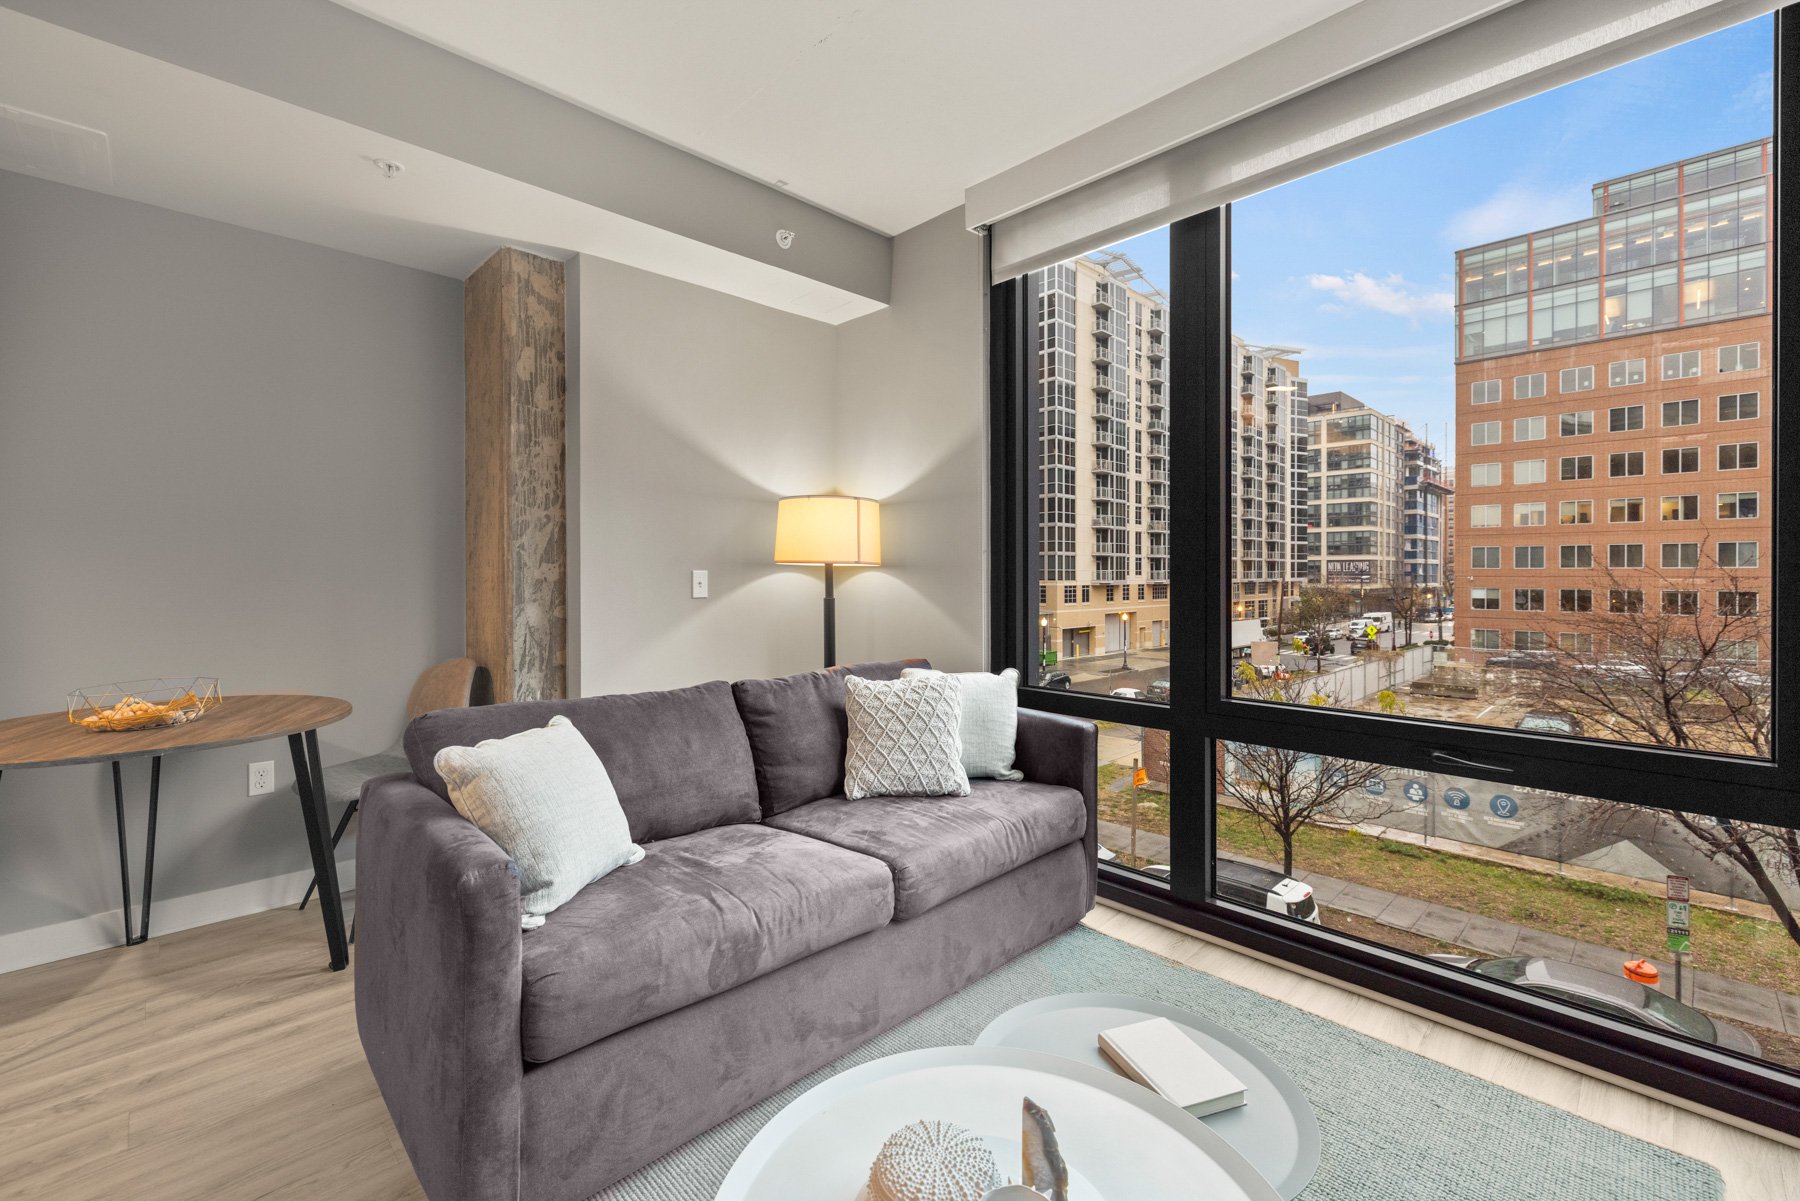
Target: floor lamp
{"x":828,"y":531}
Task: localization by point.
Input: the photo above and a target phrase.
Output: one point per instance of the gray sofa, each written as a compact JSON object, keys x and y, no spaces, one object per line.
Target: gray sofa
{"x":772,"y":926}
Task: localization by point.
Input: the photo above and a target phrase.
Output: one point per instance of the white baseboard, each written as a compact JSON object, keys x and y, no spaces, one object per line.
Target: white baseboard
{"x":78,"y":936}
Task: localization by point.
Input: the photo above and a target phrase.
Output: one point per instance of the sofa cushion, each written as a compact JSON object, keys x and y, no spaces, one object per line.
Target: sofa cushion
{"x":940,"y":847}
{"x":701,"y":914}
{"x":679,"y":759}
{"x":796,"y":727}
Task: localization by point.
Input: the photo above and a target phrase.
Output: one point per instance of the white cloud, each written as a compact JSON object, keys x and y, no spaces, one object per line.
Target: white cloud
{"x":1519,"y":208}
{"x":1392,"y":295}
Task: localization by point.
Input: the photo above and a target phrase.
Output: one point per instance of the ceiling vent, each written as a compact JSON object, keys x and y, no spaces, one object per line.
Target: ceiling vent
{"x":33,"y":144}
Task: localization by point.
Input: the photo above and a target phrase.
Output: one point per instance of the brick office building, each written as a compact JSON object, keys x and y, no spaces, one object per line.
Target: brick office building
{"x":1613,"y":410}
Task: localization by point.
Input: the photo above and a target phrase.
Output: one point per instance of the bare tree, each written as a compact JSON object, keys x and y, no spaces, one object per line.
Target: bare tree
{"x":1651,"y":659}
{"x":1315,"y":612}
{"x":1403,"y":601}
{"x":1288,"y":790}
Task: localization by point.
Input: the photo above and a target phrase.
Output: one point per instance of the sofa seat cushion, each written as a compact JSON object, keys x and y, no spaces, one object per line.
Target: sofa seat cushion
{"x":701,"y":914}
{"x":940,"y":847}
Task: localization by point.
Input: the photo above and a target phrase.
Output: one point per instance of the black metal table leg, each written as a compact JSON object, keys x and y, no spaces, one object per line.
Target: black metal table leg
{"x":337,"y":836}
{"x":309,"y":779}
{"x":143,"y":927}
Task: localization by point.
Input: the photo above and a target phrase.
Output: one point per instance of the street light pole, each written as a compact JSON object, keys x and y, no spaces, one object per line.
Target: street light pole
{"x":1125,"y":662}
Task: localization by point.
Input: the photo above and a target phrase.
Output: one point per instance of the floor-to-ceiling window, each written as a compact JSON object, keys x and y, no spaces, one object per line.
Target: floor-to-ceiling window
{"x":1456,"y":464}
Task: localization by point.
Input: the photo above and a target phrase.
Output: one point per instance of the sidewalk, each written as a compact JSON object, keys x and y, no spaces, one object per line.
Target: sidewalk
{"x":1730,"y":999}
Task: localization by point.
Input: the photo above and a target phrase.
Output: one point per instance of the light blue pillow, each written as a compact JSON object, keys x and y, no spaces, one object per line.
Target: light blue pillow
{"x":990,"y":720}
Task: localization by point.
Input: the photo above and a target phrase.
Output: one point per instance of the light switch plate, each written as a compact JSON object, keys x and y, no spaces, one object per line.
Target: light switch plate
{"x":700,"y":586}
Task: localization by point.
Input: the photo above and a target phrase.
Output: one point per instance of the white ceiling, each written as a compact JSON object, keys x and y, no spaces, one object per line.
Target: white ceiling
{"x":882,"y":111}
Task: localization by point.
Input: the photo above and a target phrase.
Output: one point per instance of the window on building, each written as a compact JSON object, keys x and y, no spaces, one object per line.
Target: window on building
{"x":1625,"y":508}
{"x":1681,"y":508}
{"x":1680,"y":460}
{"x":1575,"y":600}
{"x":1575,"y":425}
{"x":1533,"y":512}
{"x":1528,"y":471}
{"x":1576,"y":379}
{"x":1745,"y":356}
{"x":1484,"y":475}
{"x":1575,"y":643}
{"x":1625,"y":555}
{"x":1528,"y":600}
{"x":1681,"y":365}
{"x":1737,"y":456}
{"x":1680,"y":601}
{"x":1625,"y":418}
{"x":1625,"y":600}
{"x":1575,"y":512}
{"x":1069,"y":595}
{"x":1484,"y":598}
{"x":1528,"y":387}
{"x":1528,"y":429}
{"x":1680,"y":412}
{"x":1576,"y":555}
{"x":1625,"y":373}
{"x":1484,"y":392}
{"x":1739,"y":406}
{"x":1680,"y":555}
{"x":1737,"y":604}
{"x":1484,"y":433}
{"x":1576,"y":467}
{"x":1484,"y":517}
{"x":1528,"y":558}
{"x":1739,"y":554}
{"x":1484,"y":640}
{"x":1528,"y":640}
{"x":1625,"y":463}
{"x":1737,"y":506}
{"x":1484,"y":557}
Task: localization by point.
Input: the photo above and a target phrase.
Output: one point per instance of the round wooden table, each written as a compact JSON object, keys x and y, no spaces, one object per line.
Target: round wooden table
{"x":51,"y":740}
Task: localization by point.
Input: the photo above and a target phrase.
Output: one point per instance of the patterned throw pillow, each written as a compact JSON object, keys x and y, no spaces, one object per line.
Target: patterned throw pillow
{"x":545,"y":797}
{"x":990,"y":720}
{"x":905,"y":738}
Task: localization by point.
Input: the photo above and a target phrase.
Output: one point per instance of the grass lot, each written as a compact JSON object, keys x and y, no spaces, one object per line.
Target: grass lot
{"x":1744,"y":948}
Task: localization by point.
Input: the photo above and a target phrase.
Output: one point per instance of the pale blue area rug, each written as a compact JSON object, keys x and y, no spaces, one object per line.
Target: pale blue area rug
{"x":1394,"y":1126}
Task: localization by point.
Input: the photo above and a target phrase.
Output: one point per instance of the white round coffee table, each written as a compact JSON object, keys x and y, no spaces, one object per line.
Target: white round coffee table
{"x":1129,"y":1142}
{"x":1274,"y":1129}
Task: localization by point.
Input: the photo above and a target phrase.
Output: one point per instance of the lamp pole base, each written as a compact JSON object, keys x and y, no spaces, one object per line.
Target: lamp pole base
{"x":830,"y":621}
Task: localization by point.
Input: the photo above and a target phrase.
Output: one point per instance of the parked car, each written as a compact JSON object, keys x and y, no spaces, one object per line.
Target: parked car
{"x":1616,"y":669}
{"x":1129,"y":694}
{"x":1549,"y":723}
{"x":1359,"y":645}
{"x":1056,"y":679}
{"x":1523,"y":660}
{"x":1158,"y":691}
{"x":1265,"y":888}
{"x":1612,"y":995}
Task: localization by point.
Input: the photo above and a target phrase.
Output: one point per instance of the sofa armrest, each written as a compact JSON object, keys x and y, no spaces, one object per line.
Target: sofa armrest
{"x":1053,"y":749}
{"x":438,"y":988}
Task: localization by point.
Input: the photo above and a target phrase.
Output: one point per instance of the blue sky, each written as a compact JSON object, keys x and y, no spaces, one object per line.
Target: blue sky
{"x":1355,"y":264}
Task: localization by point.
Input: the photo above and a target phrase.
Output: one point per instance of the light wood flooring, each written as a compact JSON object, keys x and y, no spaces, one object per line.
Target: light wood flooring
{"x":222,"y":1063}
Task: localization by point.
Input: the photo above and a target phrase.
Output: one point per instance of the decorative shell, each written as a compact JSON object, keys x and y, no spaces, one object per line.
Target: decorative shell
{"x":932,"y":1161}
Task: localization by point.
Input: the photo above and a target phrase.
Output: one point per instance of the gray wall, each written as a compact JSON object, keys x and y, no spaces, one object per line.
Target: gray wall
{"x":691,"y":412}
{"x":221,"y":453}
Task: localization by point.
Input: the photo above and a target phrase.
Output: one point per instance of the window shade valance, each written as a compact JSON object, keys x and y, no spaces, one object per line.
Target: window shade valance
{"x":1504,"y":55}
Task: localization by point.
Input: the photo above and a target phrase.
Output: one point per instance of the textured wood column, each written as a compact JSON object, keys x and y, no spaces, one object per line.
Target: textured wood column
{"x":513,"y":454}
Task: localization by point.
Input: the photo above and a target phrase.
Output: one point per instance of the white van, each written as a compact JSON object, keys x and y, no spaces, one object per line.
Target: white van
{"x":1383,"y":622}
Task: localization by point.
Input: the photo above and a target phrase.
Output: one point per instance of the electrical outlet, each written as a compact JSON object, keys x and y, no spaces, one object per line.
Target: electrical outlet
{"x":262,"y":778}
{"x":700,"y":592}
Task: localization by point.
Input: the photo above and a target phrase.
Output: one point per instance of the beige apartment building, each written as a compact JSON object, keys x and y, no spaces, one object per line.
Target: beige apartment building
{"x":1103,"y":513}
{"x":1271,"y":458}
{"x":1614,"y":412}
{"x":1358,"y":486}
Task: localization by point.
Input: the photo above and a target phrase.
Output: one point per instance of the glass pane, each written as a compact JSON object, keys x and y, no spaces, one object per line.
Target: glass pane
{"x":1134,"y":798}
{"x":1103,"y":617}
{"x":1544,"y":890}
{"x":1452,"y":293}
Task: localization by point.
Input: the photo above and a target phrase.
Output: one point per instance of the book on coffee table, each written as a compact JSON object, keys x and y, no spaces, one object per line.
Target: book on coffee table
{"x":1157,"y":1055}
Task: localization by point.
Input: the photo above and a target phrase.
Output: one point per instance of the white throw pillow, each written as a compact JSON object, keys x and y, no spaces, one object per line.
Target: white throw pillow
{"x":545,"y":797}
{"x":904,"y":738}
{"x":990,"y":720}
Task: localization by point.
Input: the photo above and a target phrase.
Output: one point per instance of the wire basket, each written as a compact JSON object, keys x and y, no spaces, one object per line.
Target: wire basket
{"x":143,"y":704}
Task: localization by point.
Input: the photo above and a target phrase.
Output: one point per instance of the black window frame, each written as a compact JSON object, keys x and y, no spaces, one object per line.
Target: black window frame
{"x":1199,"y":363}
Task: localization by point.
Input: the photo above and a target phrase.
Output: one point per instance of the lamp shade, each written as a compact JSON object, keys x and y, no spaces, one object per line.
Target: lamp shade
{"x":828,"y":529}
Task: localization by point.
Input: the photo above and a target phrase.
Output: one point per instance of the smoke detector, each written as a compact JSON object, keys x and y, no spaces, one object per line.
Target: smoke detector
{"x":388,"y":167}
{"x":784,"y":238}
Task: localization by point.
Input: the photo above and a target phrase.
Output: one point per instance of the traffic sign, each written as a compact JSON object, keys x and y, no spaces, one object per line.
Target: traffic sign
{"x":1679,"y":917}
{"x":1680,"y":943}
{"x":1675,"y":888}
{"x":1456,"y":798}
